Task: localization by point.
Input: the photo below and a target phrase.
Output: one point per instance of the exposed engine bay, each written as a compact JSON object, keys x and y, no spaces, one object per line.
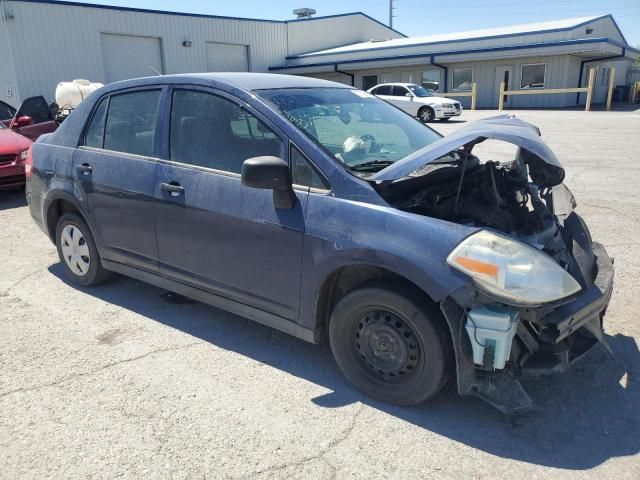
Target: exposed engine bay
{"x":496,"y":195}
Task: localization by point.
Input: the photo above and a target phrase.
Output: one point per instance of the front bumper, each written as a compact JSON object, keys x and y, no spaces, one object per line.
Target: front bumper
{"x":548,"y":344}
{"x":442,"y":112}
{"x":12,"y":175}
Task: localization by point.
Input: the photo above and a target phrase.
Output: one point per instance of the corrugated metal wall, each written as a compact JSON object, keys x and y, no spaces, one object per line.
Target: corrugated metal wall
{"x":63,"y":42}
{"x":8,"y":84}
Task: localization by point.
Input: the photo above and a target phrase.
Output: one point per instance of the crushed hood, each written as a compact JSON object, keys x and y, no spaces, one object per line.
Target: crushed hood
{"x":544,"y":168}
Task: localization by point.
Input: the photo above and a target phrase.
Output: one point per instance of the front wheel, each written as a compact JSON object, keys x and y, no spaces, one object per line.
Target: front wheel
{"x":391,"y":343}
{"x":78,"y":252}
{"x":426,"y":114}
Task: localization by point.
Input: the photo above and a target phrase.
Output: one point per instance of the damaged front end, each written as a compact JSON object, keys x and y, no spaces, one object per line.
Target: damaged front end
{"x":539,"y":285}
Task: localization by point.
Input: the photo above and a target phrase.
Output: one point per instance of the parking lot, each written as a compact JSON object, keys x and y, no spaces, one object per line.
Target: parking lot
{"x":125,"y":381}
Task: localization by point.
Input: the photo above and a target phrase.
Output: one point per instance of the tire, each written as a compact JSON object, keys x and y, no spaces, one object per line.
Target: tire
{"x":78,"y":252}
{"x":392,"y":343}
{"x":426,"y":114}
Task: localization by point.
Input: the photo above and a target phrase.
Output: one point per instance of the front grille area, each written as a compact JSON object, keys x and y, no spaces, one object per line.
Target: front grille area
{"x":7,"y":158}
{"x":12,"y":180}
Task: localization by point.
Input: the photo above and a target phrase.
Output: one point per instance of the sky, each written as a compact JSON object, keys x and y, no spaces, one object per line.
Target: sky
{"x":414,"y":17}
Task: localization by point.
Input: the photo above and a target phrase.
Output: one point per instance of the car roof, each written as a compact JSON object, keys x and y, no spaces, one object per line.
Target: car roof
{"x":241,"y":80}
{"x":397,"y":84}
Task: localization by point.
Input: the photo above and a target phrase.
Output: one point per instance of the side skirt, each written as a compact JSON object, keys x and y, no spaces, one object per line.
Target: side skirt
{"x":242,"y":310}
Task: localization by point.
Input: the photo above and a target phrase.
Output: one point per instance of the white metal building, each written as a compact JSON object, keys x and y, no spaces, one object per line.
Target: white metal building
{"x":43,"y":42}
{"x":553,"y":54}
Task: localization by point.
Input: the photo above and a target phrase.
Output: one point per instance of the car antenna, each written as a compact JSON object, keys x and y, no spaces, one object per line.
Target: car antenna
{"x":156,"y":71}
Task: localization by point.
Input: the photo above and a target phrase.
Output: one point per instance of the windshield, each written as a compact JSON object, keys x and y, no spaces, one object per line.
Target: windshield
{"x":364,"y":133}
{"x":419,"y":91}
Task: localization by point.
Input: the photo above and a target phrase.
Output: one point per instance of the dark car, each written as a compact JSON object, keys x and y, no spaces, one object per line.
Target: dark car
{"x":32,"y":119}
{"x":323,"y":211}
{"x":13,"y":154}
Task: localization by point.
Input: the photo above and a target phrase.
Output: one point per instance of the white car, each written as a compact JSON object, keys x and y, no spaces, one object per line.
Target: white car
{"x":417,"y":101}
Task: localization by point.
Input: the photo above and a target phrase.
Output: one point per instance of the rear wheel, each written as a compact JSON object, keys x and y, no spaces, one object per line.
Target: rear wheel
{"x":426,"y":114}
{"x":78,"y":252}
{"x":391,"y":343}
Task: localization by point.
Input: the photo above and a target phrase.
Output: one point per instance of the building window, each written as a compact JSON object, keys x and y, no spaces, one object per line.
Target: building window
{"x":369,"y":81}
{"x":533,"y":75}
{"x":589,"y":31}
{"x":431,"y":80}
{"x":462,"y":79}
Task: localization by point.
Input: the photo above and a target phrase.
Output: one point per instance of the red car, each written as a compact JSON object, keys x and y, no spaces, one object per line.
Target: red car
{"x":32,"y":119}
{"x":13,"y":153}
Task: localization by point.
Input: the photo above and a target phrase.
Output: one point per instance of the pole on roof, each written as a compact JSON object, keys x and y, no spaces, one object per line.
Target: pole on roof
{"x":391,"y":15}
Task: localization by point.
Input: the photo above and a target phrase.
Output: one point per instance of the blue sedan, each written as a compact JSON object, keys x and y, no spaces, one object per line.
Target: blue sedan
{"x":327,"y":213}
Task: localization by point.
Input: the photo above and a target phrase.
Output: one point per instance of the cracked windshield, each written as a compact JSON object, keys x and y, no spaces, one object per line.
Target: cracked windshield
{"x":364,"y":133}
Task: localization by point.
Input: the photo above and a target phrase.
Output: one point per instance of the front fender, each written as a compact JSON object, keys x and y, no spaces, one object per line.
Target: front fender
{"x":350,"y":233}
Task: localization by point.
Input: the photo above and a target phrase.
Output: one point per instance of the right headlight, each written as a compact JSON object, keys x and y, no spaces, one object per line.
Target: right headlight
{"x":512,"y":271}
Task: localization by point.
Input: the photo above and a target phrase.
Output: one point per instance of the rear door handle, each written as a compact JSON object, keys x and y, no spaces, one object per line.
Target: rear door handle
{"x":84,"y":169}
{"x":173,"y":188}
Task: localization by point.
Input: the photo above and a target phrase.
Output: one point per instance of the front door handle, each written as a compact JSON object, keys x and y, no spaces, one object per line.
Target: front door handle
{"x":173,"y":188}
{"x":84,"y":169}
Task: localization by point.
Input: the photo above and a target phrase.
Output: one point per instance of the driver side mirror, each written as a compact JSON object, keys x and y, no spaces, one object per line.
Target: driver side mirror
{"x":23,"y":121}
{"x":270,"y":173}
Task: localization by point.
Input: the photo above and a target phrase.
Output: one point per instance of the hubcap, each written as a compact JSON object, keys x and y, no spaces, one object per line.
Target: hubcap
{"x":387,"y":344}
{"x":426,"y":115}
{"x":75,"y":250}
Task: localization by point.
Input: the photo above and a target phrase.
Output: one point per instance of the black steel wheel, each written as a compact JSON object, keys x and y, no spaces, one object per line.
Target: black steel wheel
{"x":387,"y":344}
{"x":392,"y":343}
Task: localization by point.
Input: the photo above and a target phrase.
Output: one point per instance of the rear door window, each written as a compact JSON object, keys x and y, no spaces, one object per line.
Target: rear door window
{"x":383,"y":90}
{"x":131,"y":122}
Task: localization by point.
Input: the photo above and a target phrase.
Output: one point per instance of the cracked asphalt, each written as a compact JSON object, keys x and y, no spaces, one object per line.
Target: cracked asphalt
{"x":125,"y":381}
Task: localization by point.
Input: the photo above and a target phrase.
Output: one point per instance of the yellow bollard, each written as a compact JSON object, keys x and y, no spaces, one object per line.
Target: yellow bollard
{"x":474,"y":92}
{"x":592,"y":74}
{"x":612,"y":74}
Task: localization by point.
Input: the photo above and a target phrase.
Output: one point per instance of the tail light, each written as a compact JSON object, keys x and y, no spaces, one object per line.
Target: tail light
{"x":28,"y":162}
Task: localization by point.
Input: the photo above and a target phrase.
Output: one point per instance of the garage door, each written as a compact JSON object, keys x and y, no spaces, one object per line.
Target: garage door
{"x":227,"y":57}
{"x":128,"y":56}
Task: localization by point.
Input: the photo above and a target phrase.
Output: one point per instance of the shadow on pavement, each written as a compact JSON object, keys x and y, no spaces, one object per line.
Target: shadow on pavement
{"x":584,"y":417}
{"x":12,"y":199}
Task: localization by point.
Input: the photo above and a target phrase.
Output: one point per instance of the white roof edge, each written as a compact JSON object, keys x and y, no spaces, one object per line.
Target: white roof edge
{"x":458,"y":36}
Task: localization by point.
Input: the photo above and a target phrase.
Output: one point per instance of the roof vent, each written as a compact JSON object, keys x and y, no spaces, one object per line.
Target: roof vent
{"x":304,"y":12}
